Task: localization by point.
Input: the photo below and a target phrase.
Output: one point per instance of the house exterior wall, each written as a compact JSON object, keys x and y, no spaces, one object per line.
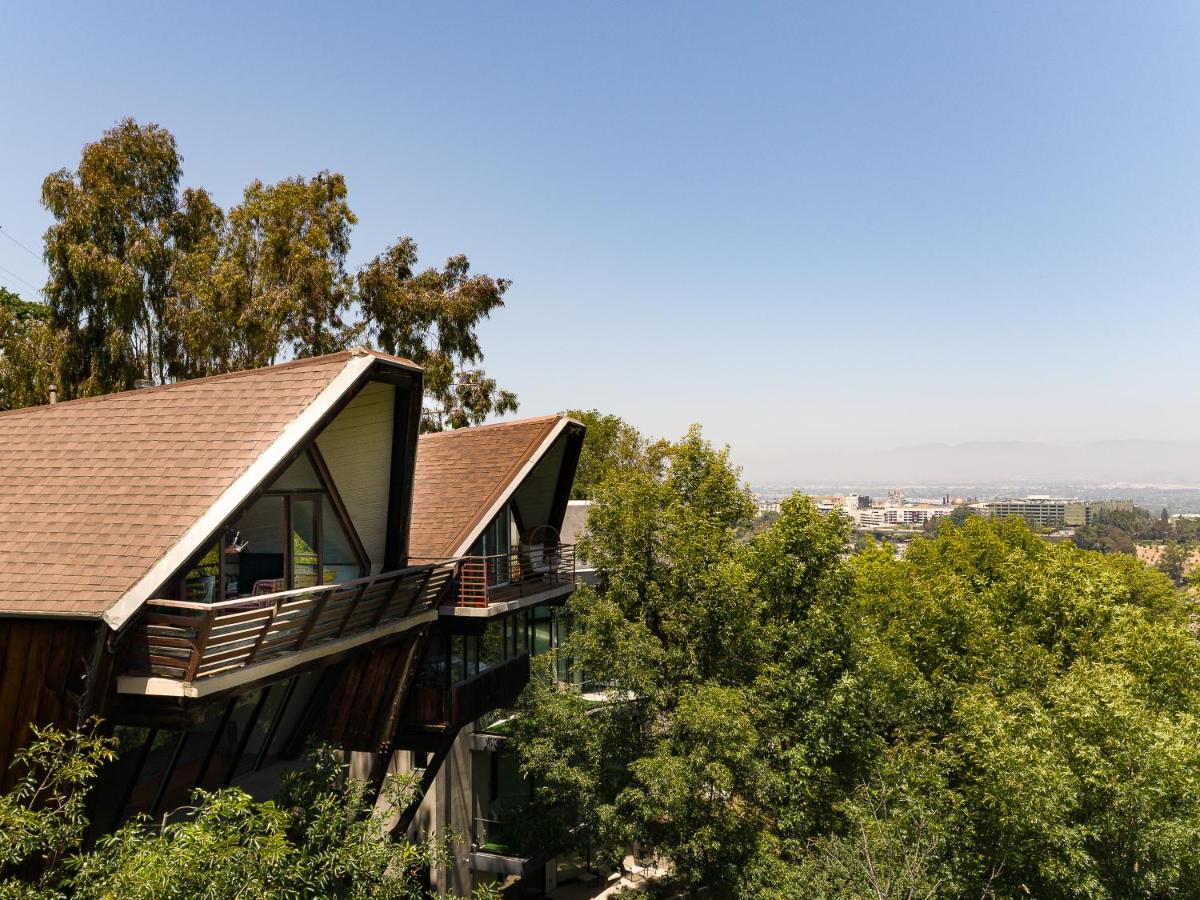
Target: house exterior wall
{"x":42,"y":667}
{"x":357,"y":447}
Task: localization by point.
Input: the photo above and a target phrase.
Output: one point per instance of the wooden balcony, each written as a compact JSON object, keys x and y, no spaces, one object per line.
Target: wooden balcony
{"x":189,"y":649}
{"x":484,"y":581}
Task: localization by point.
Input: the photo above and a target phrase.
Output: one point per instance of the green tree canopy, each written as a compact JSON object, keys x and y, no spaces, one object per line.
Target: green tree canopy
{"x":989,"y":715}
{"x":322,"y":838}
{"x":148,"y":281}
{"x":31,"y":352}
{"x":611,"y":444}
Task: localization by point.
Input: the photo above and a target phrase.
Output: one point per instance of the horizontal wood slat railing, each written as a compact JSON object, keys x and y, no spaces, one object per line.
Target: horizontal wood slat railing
{"x":528,"y":569}
{"x":189,"y":642}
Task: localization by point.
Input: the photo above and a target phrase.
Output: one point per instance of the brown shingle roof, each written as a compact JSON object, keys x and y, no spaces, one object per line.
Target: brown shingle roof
{"x":94,"y":491}
{"x":460,"y":476}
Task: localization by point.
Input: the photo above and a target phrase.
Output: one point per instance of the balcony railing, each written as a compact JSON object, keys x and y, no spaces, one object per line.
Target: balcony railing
{"x":529,"y":569}
{"x":190,"y":642}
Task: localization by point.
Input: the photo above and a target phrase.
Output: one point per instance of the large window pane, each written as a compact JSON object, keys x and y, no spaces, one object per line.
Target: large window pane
{"x":200,"y":584}
{"x":341,"y":563}
{"x":300,"y":476}
{"x":305,"y":558}
{"x":257,"y":543}
{"x":491,"y":645}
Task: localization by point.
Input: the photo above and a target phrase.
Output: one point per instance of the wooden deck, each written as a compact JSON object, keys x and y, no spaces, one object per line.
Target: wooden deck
{"x":191,"y":642}
{"x":529,"y":570}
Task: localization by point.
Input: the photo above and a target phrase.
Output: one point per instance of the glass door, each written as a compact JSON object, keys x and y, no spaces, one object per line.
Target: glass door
{"x":497,"y":548}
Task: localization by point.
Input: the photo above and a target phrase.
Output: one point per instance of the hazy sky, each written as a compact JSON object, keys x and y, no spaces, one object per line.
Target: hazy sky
{"x":810,"y":228}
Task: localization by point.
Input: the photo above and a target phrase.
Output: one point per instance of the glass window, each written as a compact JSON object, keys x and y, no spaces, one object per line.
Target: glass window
{"x":491,"y":645}
{"x":433,"y":671}
{"x":306,"y":557}
{"x":458,"y":658}
{"x":337,"y":552}
{"x":472,"y":655}
{"x":142,"y":793}
{"x":190,"y":762}
{"x":254,"y":732}
{"x":200,"y":584}
{"x":299,"y":476}
{"x":116,"y":776}
{"x":523,"y":631}
{"x":288,"y":742}
{"x":495,"y":545}
{"x":254,"y":550}
{"x":543,"y":629}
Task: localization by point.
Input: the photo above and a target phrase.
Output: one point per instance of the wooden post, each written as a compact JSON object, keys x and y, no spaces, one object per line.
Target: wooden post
{"x":318,"y":608}
{"x":270,"y":620}
{"x":202,"y":633}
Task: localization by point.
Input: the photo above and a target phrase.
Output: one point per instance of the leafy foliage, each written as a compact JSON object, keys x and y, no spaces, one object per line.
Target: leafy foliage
{"x":323,"y":837}
{"x":31,"y":352}
{"x":150,"y":282}
{"x":611,"y":445}
{"x":990,"y":715}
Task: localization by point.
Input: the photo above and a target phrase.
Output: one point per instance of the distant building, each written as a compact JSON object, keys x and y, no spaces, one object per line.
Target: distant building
{"x":1052,"y":512}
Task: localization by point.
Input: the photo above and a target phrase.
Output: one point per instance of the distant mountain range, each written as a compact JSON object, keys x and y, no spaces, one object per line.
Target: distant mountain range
{"x":1134,"y":462}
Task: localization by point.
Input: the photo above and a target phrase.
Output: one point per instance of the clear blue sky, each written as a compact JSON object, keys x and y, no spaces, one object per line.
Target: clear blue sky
{"x":807,"y":227}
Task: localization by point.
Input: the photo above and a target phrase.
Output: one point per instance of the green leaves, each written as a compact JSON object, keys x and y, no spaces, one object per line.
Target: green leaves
{"x":990,"y":715}
{"x":431,"y":318}
{"x":323,"y":838}
{"x":148,"y":282}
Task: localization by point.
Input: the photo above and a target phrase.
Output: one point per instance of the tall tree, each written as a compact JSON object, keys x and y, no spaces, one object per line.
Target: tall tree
{"x":148,"y":283}
{"x":110,"y":253}
{"x":283,"y":276}
{"x":611,"y":445}
{"x":431,"y":317}
{"x":31,"y":352}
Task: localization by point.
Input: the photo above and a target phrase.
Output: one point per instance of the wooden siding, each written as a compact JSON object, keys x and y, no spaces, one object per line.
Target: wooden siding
{"x":368,"y":693}
{"x":42,"y":667}
{"x":357,"y":447}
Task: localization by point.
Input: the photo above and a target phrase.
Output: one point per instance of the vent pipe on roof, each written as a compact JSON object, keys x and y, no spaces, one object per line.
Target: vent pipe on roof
{"x":53,"y":394}
{"x":140,"y":383}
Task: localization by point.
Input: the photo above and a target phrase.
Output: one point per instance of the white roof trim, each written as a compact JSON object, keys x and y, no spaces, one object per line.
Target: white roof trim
{"x":235,"y":495}
{"x":513,"y":484}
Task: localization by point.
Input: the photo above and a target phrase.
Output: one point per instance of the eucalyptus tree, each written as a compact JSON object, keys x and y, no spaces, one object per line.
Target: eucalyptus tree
{"x":31,"y":352}
{"x":431,"y":316}
{"x":110,"y":253}
{"x":149,"y":282}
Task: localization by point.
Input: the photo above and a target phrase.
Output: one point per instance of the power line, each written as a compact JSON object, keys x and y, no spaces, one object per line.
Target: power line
{"x":20,"y":279}
{"x":19,"y":244}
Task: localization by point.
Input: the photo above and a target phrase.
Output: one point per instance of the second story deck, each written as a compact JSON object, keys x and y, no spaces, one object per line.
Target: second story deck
{"x":489,"y":585}
{"x":192,"y":649}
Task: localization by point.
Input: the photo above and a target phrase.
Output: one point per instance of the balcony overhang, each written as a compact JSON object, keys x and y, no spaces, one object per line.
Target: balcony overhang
{"x":501,"y":607}
{"x":499,"y":864}
{"x":192,"y":650}
{"x":152,"y":686}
